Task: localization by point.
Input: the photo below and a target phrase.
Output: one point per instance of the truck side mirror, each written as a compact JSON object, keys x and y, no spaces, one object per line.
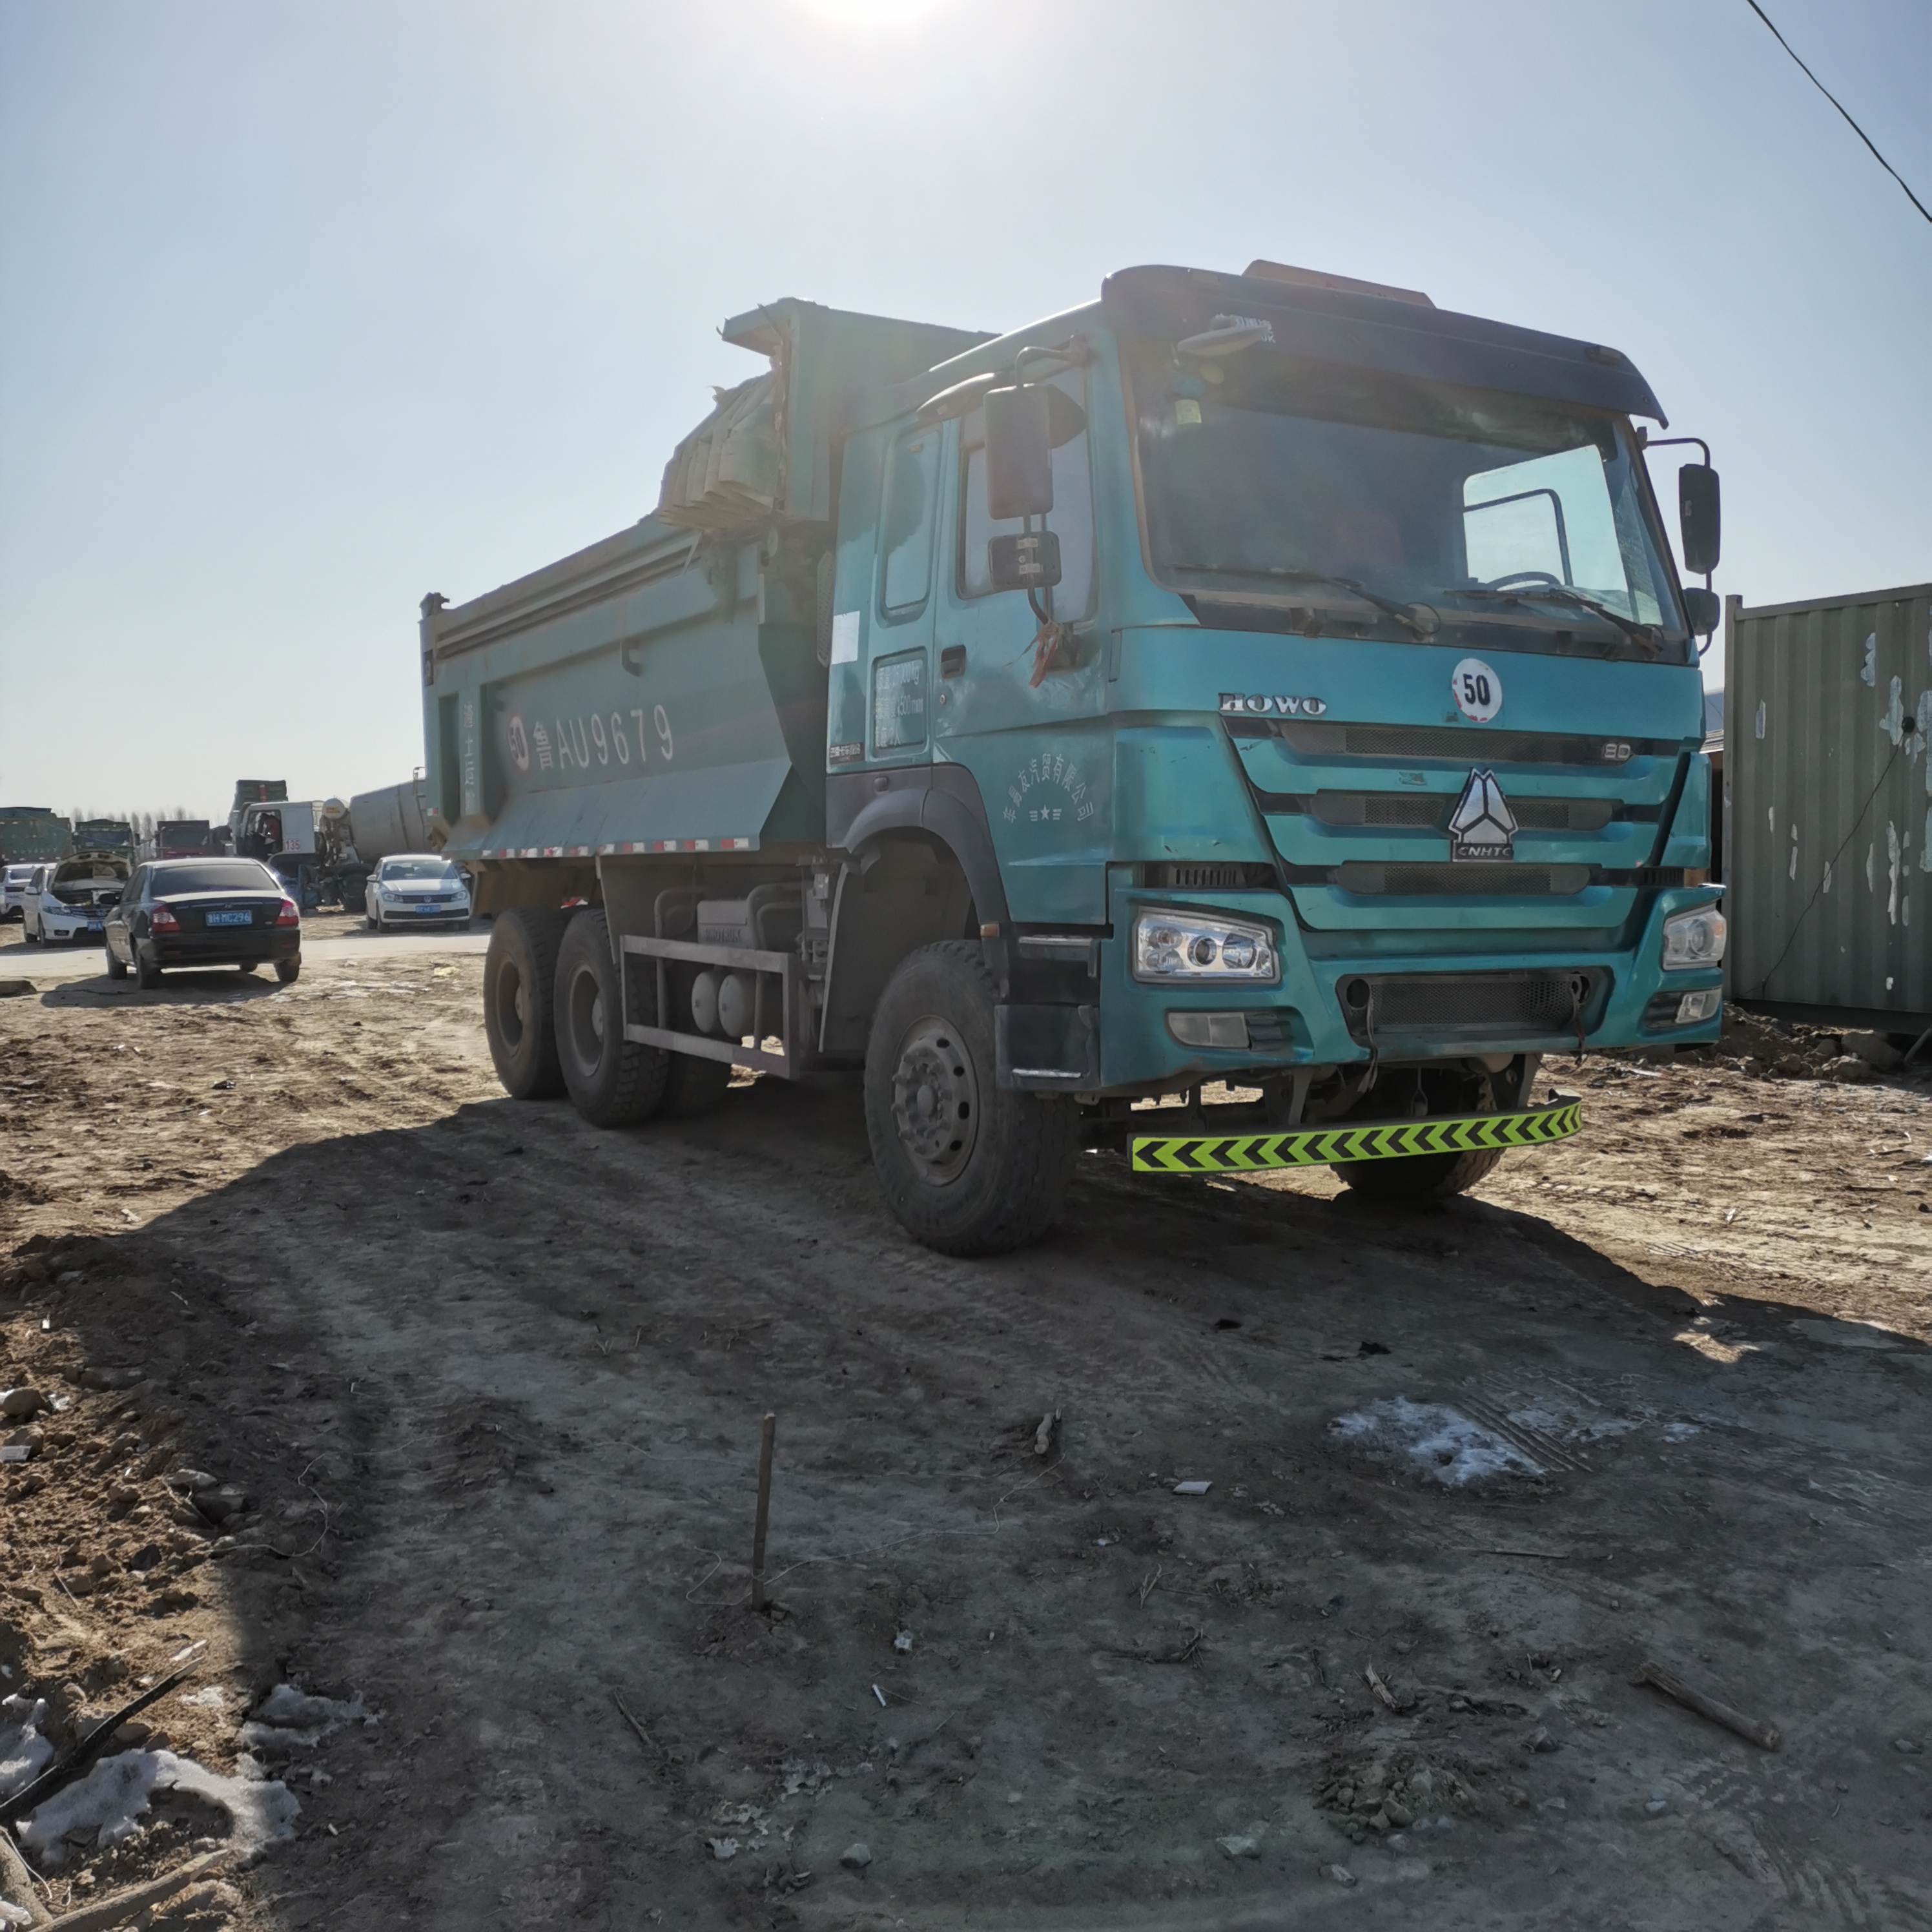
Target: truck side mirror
{"x":1019,"y":451}
{"x":1704,"y":609}
{"x":1028,"y":562}
{"x":1699,"y":520}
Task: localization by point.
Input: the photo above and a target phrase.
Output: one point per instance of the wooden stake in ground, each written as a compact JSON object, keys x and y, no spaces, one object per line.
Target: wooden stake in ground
{"x":764,"y":1512}
{"x":102,"y":1913}
{"x":1765,"y":1736}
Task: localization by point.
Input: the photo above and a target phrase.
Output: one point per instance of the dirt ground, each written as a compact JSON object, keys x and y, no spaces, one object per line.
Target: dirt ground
{"x":489,"y":1384}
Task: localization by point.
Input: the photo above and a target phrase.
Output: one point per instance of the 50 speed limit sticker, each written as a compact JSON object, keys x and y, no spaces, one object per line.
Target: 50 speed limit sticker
{"x":1477,"y":689}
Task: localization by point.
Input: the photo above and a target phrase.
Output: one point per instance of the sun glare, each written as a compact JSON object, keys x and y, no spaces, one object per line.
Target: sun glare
{"x":872,"y":15}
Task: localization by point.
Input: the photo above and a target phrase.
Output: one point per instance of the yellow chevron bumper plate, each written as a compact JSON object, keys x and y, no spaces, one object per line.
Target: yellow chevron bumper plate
{"x":1358,"y":1140}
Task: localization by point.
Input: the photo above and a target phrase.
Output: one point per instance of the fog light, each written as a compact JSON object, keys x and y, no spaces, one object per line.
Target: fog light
{"x":1694,"y":1007}
{"x":1221,"y":1030}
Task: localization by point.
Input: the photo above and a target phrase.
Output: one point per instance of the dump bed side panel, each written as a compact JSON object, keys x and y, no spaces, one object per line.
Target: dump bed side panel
{"x":635,"y":702}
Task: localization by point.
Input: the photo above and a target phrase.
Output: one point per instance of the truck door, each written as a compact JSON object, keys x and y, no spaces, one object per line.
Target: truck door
{"x":899,"y":679}
{"x":1032,"y":735}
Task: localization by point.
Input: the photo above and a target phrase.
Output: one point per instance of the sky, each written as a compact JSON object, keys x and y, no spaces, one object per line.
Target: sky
{"x":308,"y":309}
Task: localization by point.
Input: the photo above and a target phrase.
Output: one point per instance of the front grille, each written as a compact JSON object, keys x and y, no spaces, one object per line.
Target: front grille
{"x":1188,"y":876}
{"x":1431,"y":810}
{"x":1474,"y":879}
{"x":1461,"y":745}
{"x":1522,"y":1006}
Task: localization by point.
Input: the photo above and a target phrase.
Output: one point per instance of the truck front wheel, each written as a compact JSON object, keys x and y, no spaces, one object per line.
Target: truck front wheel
{"x":613,"y":1082}
{"x":1410,"y":1180}
{"x":519,"y":996}
{"x":969,"y":1169}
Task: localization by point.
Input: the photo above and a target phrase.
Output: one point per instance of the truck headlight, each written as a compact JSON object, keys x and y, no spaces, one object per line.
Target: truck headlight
{"x":1200,"y":945}
{"x":1694,"y":939}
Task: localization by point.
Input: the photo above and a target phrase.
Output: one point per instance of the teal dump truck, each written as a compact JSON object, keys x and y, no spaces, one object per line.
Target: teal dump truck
{"x":1246,"y":721}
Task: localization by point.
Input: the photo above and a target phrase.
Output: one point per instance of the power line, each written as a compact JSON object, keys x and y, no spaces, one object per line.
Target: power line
{"x":1841,"y":106}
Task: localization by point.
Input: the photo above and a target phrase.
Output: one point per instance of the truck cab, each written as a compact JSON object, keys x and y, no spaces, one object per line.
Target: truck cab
{"x":1257,"y":685}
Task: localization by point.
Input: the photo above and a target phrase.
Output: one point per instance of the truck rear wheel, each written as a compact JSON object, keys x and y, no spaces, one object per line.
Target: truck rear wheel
{"x":969,"y":1169}
{"x":613,"y":1082}
{"x":519,"y":1001}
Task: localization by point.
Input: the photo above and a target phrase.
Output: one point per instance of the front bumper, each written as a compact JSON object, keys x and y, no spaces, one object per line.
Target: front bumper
{"x":1358,"y":1140}
{"x":1301,"y":1021}
{"x":70,"y":922}
{"x":405,"y":912}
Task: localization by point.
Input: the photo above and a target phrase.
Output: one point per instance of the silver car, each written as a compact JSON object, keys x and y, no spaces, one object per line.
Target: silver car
{"x":20,"y":880}
{"x":416,"y":889}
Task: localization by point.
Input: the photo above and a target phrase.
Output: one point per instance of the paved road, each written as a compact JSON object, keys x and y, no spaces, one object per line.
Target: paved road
{"x":326,"y":938}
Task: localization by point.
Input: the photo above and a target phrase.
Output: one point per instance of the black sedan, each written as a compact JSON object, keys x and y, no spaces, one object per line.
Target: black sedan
{"x":203,"y":912}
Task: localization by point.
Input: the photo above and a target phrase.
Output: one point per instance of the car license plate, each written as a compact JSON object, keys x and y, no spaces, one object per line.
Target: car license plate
{"x":93,"y":925}
{"x":429,"y":911}
{"x":241,"y":918}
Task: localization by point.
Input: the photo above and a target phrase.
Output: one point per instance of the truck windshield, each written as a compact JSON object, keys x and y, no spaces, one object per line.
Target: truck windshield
{"x":1265,"y":473}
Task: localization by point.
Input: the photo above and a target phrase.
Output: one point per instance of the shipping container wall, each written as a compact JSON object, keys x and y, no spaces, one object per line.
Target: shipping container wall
{"x":1828,"y":713}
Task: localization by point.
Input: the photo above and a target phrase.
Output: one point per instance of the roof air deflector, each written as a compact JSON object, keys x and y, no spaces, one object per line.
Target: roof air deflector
{"x":1317,"y":278}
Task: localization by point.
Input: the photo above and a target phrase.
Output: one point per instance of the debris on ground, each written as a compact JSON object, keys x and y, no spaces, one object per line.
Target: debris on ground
{"x":1389,"y":1791}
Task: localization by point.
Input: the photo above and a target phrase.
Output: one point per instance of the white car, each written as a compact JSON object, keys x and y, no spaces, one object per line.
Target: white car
{"x":69,"y":900}
{"x":20,"y":880}
{"x":416,"y":888}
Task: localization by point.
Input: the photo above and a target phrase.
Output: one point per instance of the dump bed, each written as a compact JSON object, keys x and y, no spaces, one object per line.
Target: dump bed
{"x":663,"y":690}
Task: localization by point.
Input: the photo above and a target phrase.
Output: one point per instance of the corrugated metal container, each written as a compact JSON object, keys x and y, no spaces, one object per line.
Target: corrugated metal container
{"x":1827,"y":715}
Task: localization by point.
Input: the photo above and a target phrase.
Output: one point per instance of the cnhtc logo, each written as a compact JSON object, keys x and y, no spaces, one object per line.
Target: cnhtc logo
{"x":1259,"y":704}
{"x":1482,"y":825}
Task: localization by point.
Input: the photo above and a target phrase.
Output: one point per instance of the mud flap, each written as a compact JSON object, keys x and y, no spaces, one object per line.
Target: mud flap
{"x":1047,"y":1049}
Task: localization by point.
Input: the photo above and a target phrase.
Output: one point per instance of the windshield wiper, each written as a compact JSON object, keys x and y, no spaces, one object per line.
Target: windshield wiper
{"x":1643,"y":634}
{"x":1420,"y":620}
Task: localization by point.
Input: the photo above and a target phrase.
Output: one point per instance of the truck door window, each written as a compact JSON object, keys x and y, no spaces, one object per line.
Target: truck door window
{"x":906,"y":523}
{"x":1072,"y":519}
{"x":1552,"y":515}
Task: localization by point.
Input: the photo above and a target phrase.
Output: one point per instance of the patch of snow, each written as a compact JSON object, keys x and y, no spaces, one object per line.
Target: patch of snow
{"x":24,"y":1753}
{"x":287,"y":1719}
{"x":112,"y":1798}
{"x":1438,"y":1442}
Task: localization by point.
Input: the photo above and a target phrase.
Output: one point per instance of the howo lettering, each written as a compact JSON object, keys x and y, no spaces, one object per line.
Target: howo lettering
{"x":1267,"y":683}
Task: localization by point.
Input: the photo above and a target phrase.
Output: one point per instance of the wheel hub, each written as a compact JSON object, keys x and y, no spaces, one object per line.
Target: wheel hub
{"x":935,"y":1101}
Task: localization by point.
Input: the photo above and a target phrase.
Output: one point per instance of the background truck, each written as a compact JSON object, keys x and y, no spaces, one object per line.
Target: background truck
{"x":104,"y":838}
{"x":395,"y":819}
{"x":308,"y":842}
{"x":1243,"y":721}
{"x":30,"y":834}
{"x":182,"y":837}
